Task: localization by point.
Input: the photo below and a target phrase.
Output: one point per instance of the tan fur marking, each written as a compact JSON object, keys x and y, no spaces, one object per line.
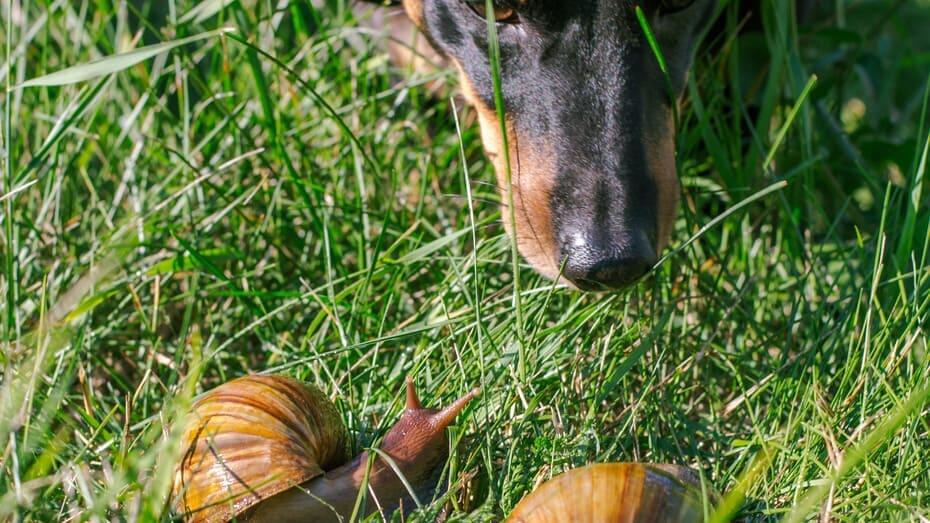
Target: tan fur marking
{"x":532,"y":178}
{"x":660,"y":155}
{"x":414,"y":10}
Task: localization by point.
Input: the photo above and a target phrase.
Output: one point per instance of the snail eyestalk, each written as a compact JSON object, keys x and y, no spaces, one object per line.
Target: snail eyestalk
{"x":447,"y":416}
{"x":413,"y":401}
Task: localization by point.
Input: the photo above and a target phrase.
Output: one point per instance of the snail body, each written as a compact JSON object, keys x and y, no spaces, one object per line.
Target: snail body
{"x":615,"y":492}
{"x":271,"y":448}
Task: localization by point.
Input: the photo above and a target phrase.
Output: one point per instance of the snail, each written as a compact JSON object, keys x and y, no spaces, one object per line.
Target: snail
{"x":271,"y":448}
{"x":608,"y":492}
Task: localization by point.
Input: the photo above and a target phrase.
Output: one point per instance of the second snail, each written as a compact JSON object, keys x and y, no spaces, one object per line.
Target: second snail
{"x":273,"y":449}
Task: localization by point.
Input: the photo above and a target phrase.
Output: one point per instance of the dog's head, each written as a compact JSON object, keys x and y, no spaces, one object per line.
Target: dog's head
{"x":588,"y":119}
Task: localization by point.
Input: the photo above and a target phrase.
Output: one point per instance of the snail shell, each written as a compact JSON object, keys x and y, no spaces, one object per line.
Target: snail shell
{"x":273,"y":449}
{"x":611,"y":492}
{"x":252,"y":438}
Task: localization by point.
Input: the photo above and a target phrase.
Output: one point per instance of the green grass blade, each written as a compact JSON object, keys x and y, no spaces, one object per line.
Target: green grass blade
{"x":783,"y":131}
{"x":115,"y":63}
{"x":203,"y":11}
{"x":9,"y":262}
{"x":494,"y":53}
{"x":908,"y":235}
{"x":860,"y":452}
{"x":778,"y":186}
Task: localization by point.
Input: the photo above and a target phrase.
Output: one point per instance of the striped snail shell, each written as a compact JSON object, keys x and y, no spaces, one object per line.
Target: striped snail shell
{"x":609,"y":492}
{"x":271,"y":448}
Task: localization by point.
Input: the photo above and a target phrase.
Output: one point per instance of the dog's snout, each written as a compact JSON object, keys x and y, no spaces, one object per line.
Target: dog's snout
{"x":593,"y":264}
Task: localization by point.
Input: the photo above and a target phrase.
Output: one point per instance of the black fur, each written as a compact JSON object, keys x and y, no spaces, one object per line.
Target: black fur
{"x":580,"y":77}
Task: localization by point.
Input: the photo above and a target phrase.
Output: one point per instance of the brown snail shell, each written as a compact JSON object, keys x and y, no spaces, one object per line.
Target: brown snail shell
{"x":252,"y":438}
{"x":271,"y":448}
{"x":610,"y":492}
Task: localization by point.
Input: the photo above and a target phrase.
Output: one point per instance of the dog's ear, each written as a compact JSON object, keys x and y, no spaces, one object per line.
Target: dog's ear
{"x":414,"y":10}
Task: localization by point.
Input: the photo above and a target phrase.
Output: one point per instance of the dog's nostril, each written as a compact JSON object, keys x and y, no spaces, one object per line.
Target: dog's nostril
{"x":593,"y":268}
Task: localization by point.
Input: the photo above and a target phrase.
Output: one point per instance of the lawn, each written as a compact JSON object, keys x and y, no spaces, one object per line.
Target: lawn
{"x":280,"y":198}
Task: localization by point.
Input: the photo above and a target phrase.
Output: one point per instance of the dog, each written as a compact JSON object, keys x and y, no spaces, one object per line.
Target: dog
{"x":588,"y":117}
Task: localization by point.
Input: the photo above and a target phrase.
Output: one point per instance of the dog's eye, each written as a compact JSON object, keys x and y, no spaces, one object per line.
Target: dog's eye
{"x":503,"y":15}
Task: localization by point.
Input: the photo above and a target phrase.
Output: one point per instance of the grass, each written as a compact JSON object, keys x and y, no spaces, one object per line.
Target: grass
{"x":278,"y":200}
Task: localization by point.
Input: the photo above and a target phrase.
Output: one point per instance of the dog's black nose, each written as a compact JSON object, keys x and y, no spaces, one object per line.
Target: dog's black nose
{"x":604,"y":265}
